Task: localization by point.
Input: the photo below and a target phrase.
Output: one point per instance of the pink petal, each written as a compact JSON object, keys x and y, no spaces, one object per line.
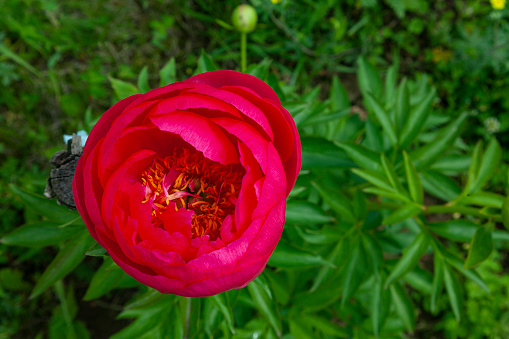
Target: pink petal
{"x":247,"y":200}
{"x":190,"y":100}
{"x":244,"y":106}
{"x":248,"y":135}
{"x":177,"y":221}
{"x":200,"y":133}
{"x":219,"y":79}
{"x":135,"y":164}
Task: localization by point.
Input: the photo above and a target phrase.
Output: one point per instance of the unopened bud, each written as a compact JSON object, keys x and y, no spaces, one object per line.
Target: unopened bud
{"x":244,"y":18}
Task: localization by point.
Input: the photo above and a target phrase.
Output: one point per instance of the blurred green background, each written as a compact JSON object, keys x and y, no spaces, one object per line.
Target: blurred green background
{"x":60,"y":62}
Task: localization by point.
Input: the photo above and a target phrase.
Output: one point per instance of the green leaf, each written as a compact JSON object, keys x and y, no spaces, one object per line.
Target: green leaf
{"x":413,"y":180}
{"x":273,"y":82}
{"x":440,"y":185}
{"x":329,"y":117}
{"x":411,"y":256}
{"x":71,"y":254}
{"x":403,"y":305}
{"x":420,"y":280}
{"x":318,"y":153}
{"x":305,"y":213}
{"x":213,"y":318}
{"x":382,"y":116}
{"x":338,"y":96}
{"x":453,"y":291}
{"x":489,"y":163}
{"x":374,"y":178}
{"x":96,"y":251}
{"x":505,"y":213}
{"x":369,"y":79}
{"x":374,"y":253}
{"x":470,"y":274}
{"x":391,"y":78}
{"x":12,"y":280}
{"x":221,"y":302}
{"x":452,"y":163}
{"x":205,"y":64}
{"x":338,"y":257}
{"x":300,"y":329}
{"x":7,"y":52}
{"x":43,"y":233}
{"x":122,"y":88}
{"x":359,"y":205}
{"x":336,"y":200}
{"x":152,"y":319}
{"x":480,"y":247}
{"x":438,"y":280}
{"x":326,"y":235}
{"x":380,"y":303}
{"x":261,"y":69}
{"x":280,"y":285}
{"x":45,"y":207}
{"x":426,"y":155}
{"x":264,"y":304}
{"x":310,"y":110}
{"x":385,"y":193}
{"x":455,"y":229}
{"x":407,"y":211}
{"x":373,"y":137}
{"x":488,"y":199}
{"x":390,"y":173}
{"x":326,"y":326}
{"x":105,"y":279}
{"x":168,"y":73}
{"x":416,"y":120}
{"x":354,"y":270}
{"x":402,"y":105}
{"x":287,"y":255}
{"x":473,"y":169}
{"x":364,"y":157}
{"x":143,"y":80}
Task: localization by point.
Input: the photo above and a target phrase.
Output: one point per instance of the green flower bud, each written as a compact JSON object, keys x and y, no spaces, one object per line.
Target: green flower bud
{"x":244,"y":18}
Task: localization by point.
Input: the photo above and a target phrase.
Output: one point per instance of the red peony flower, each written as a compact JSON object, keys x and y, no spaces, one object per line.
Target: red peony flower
{"x":185,"y":186}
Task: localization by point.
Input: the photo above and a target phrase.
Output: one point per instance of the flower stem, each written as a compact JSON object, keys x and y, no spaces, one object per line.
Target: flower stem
{"x":243,"y":52}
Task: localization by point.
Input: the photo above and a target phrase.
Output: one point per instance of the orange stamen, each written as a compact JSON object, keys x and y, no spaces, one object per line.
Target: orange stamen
{"x":216,"y":184}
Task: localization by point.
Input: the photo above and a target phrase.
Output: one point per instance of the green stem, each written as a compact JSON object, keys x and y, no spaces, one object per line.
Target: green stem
{"x":243,"y":52}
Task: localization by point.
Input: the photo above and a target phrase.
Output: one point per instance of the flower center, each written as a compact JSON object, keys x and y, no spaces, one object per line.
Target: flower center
{"x":191,"y":181}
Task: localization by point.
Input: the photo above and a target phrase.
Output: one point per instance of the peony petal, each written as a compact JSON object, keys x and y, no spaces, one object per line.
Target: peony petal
{"x":139,"y":138}
{"x":200,"y":133}
{"x":247,"y":201}
{"x":177,"y":221}
{"x":190,"y":100}
{"x":136,"y":164}
{"x":274,"y":185}
{"x":219,"y":79}
{"x":283,"y":139}
{"x":92,"y":192}
{"x":104,"y":124}
{"x":267,"y":236}
{"x":245,"y":107}
{"x":248,"y":135}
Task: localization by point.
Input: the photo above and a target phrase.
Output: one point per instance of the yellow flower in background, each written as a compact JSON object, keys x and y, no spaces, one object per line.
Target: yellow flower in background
{"x":275,"y":2}
{"x":441,"y":55}
{"x":496,"y":4}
